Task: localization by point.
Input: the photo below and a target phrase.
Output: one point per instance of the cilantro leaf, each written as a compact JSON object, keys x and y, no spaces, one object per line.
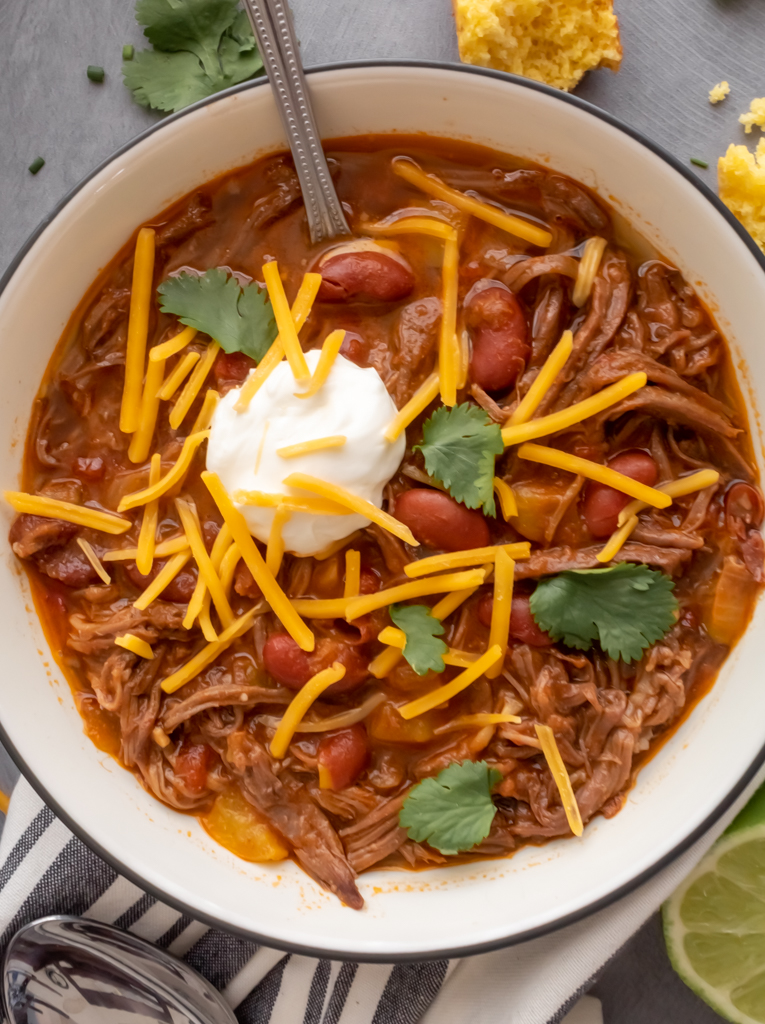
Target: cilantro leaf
{"x":423,"y":650}
{"x":452,"y":812}
{"x":200,"y":47}
{"x":239,"y":319}
{"x":459,"y":446}
{"x":626,"y":608}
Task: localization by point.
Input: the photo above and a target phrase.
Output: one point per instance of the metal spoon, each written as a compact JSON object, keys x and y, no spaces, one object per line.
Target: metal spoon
{"x":66,"y":969}
{"x":272,"y":24}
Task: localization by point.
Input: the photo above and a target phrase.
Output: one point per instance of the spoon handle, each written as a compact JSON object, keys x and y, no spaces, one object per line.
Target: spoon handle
{"x":272,"y":24}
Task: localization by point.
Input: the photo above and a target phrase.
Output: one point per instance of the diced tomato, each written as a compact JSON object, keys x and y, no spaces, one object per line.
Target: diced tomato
{"x":192,"y":764}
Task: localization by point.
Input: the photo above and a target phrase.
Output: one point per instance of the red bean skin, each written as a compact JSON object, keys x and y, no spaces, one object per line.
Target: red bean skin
{"x":285,"y":661}
{"x":743,"y":509}
{"x":500,"y":338}
{"x":365,"y":276}
{"x":342,"y":756}
{"x":178,"y":590}
{"x":293,"y":667}
{"x":440,"y":522}
{"x":602,"y":504}
{"x":523,"y":627}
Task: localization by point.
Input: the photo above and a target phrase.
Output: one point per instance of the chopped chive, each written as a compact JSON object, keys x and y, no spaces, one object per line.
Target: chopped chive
{"x":128,"y":51}
{"x":37,"y":164}
{"x":699,"y":163}
{"x":95,"y":73}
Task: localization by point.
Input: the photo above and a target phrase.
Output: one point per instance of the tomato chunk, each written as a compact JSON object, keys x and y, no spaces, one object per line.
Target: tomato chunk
{"x":342,"y":757}
{"x":192,"y":764}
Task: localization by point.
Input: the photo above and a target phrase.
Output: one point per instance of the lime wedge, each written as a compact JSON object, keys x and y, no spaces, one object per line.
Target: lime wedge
{"x":714,"y":924}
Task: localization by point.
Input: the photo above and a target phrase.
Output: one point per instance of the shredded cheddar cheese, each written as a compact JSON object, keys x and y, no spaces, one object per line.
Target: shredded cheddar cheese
{"x":418,"y":403}
{"x":163,"y":578}
{"x":147,"y":537}
{"x":136,"y":645}
{"x":95,"y":561}
{"x":317,"y":506}
{"x":499,"y":630}
{"x":175,"y":475}
{"x":138,"y":329}
{"x":359,"y":606}
{"x":594,"y":471}
{"x":617,"y":539}
{"x":52,"y":508}
{"x":458,"y":559}
{"x":193,"y":533}
{"x":316,"y":608}
{"x":288,"y":334}
{"x":180,"y":373}
{"x":575,"y":413}
{"x":675,"y":489}
{"x":352,"y":585}
{"x":161,"y":550}
{"x":588,"y":269}
{"x":301,"y":702}
{"x":543,"y":380}
{"x":275,"y":547}
{"x":199,"y":605}
{"x":418,"y":225}
{"x":319,"y":444}
{"x":448,"y":344}
{"x":228,"y":566}
{"x":209,"y":405}
{"x":560,"y":777}
{"x":457,"y":685}
{"x":210,"y":652}
{"x":329,"y":352}
{"x":174,"y":345}
{"x":385,"y":662}
{"x":430,"y":184}
{"x":140,"y":443}
{"x":193,"y":385}
{"x":507,"y":502}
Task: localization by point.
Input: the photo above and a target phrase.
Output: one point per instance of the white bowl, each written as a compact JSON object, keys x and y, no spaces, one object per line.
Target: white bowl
{"x":456,"y":910}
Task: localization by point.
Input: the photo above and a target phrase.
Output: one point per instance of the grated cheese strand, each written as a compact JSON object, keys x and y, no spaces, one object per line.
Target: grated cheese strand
{"x":429,"y":183}
{"x":588,"y":269}
{"x":543,"y":381}
{"x":95,"y":561}
{"x":161,"y":550}
{"x":319,"y":444}
{"x":352,"y":585}
{"x":138,"y":330}
{"x":507,"y":502}
{"x":318,"y":506}
{"x":359,"y":606}
{"x":135,"y":644}
{"x":228,"y":566}
{"x":52,"y":508}
{"x":288,"y":334}
{"x":199,"y":605}
{"x":449,"y":355}
{"x":381,"y":666}
{"x":419,"y":225}
{"x":205,"y":415}
{"x":140,"y":443}
{"x":675,"y":489}
{"x":193,"y":385}
{"x":557,"y":421}
{"x":418,"y":403}
{"x":179,"y":374}
{"x":208,"y":654}
{"x":560,"y":777}
{"x":300,"y":704}
{"x":175,"y":345}
{"x":163,"y":578}
{"x":457,"y":559}
{"x":190,"y":524}
{"x":457,"y":685}
{"x":174,"y":476}
{"x":275,"y":546}
{"x":333,"y":492}
{"x":147,"y":537}
{"x":594,"y":471}
{"x":329,"y":351}
{"x":316,"y":608}
{"x":499,"y":630}
{"x":253,"y":559}
{"x":617,"y":539}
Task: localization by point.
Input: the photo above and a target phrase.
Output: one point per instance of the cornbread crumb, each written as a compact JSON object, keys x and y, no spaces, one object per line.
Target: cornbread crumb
{"x":754,"y":116}
{"x":741,"y":179}
{"x":718,"y":92}
{"x":551,"y":41}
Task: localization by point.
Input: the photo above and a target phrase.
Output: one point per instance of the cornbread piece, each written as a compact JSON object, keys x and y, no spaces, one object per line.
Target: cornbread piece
{"x":718,"y":92}
{"x":741,"y":179}
{"x":551,"y":41}
{"x":754,"y":116}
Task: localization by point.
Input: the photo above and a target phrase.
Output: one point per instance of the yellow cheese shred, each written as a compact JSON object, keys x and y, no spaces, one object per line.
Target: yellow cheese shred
{"x":95,"y":561}
{"x":458,"y":559}
{"x":193,"y":385}
{"x":140,"y":443}
{"x":284,"y":321}
{"x":675,"y":489}
{"x":381,"y":666}
{"x":210,"y":652}
{"x":507,"y":502}
{"x":300,"y":704}
{"x":175,"y":475}
{"x":161,"y":550}
{"x":418,"y":403}
{"x":316,"y":506}
{"x":617,"y":539}
{"x":359,"y":606}
{"x":543,"y":381}
{"x":457,"y":685}
{"x":417,"y":225}
{"x":319,"y":444}
{"x":147,"y":537}
{"x":193,"y":533}
{"x":499,"y":630}
{"x":253,"y":559}
{"x":136,"y":645}
{"x":594,"y":471}
{"x":575,"y":413}
{"x":316,"y":608}
{"x":448,"y":345}
{"x":182,"y":369}
{"x":352,"y":585}
{"x":560,"y":777}
{"x":430,"y":184}
{"x":588,"y":269}
{"x":205,"y":415}
{"x":164,"y":577}
{"x":220,"y":549}
{"x":333,"y":492}
{"x":329,"y":351}
{"x":228,"y":566}
{"x":174,"y":345}
{"x":52,"y":508}
{"x":275,"y":546}
{"x":138,"y":329}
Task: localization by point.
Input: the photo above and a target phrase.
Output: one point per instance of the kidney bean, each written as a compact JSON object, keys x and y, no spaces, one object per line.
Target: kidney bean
{"x":293,"y":667}
{"x":192,"y":764}
{"x":355,"y":349}
{"x":366,"y":275}
{"x":178,"y":590}
{"x":232,"y":367}
{"x":285,"y":661}
{"x":523,"y":626}
{"x":90,"y":468}
{"x":438,"y":521}
{"x":602,"y":504}
{"x":744,"y":509}
{"x":342,"y":756}
{"x":499,"y":335}
{"x":328,"y":651}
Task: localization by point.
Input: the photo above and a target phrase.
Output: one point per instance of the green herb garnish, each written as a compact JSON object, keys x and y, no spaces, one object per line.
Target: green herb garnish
{"x":239,"y":319}
{"x":423,"y":650}
{"x":452,"y":812}
{"x":128,"y":51}
{"x":96,"y":73}
{"x":199,"y":48}
{"x":699,"y":163}
{"x":37,"y":165}
{"x":459,"y":447}
{"x":625,"y":608}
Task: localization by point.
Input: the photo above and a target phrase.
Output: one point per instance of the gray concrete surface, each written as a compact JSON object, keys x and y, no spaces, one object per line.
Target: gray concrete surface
{"x":675,"y":50}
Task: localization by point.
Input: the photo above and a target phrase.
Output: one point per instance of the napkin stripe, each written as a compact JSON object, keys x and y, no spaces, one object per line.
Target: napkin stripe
{"x":28,"y":839}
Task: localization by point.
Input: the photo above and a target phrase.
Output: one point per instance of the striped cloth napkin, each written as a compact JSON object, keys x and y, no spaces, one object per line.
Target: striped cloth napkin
{"x":44,"y":869}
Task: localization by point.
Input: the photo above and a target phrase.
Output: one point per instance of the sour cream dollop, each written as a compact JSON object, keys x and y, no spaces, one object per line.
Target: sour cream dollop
{"x":352,"y":402}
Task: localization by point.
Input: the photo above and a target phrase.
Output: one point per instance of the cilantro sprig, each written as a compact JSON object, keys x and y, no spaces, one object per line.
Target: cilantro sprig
{"x":452,"y":812}
{"x":423,"y":650}
{"x":239,"y":318}
{"x":626,"y":608}
{"x":459,"y":447}
{"x":199,"y":48}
